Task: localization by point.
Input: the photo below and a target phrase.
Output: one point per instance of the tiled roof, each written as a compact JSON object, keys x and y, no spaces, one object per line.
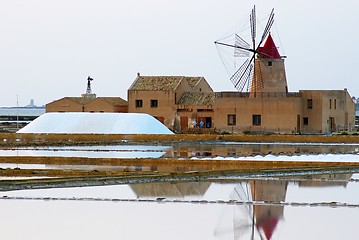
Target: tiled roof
{"x":80,"y":100}
{"x":161,"y":83}
{"x":192,"y":81}
{"x":197,"y":98}
{"x":114,"y":101}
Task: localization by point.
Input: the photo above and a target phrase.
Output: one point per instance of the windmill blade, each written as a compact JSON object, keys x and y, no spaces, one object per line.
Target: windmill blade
{"x":268,"y":27}
{"x":240,"y":47}
{"x":253,"y":21}
{"x":242,"y":76}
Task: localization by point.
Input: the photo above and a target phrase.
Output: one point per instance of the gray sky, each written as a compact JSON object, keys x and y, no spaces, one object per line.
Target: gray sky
{"x":48,"y":48}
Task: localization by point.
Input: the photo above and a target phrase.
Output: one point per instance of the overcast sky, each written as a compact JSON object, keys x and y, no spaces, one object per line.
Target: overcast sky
{"x":49,"y":47}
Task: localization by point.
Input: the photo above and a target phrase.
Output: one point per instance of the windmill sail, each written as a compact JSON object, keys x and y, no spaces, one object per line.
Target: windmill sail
{"x":242,"y":78}
{"x":241,"y":46}
{"x":268,"y":27}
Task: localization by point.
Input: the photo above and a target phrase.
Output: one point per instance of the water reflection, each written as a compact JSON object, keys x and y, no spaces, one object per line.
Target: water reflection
{"x":263,"y":209}
{"x":170,"y":190}
{"x":122,"y":151}
{"x":184,"y":150}
{"x":331,"y":180}
{"x":272,"y":208}
{"x":260,"y":221}
{"x":249,"y":149}
{"x":250,"y":220}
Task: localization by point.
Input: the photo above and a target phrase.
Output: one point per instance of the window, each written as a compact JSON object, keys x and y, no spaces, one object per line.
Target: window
{"x":310,"y":103}
{"x":335,"y":104}
{"x":138,"y":103}
{"x":257,"y":120}
{"x":305,"y":121}
{"x":154,"y":103}
{"x":269,"y":64}
{"x":330,"y":103}
{"x":231,"y":119}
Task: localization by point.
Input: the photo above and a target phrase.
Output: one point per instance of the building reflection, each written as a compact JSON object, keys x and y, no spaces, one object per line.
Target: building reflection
{"x":334,"y":180}
{"x":228,"y":150}
{"x":261,"y":213}
{"x":257,"y":221}
{"x":268,"y":216}
{"x":168,"y":189}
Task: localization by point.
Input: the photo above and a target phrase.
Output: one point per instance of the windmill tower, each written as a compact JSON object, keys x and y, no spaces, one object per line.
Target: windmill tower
{"x":89,"y":93}
{"x":263,"y":71}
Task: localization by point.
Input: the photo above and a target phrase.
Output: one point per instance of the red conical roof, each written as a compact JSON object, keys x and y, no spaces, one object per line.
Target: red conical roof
{"x":269,"y":50}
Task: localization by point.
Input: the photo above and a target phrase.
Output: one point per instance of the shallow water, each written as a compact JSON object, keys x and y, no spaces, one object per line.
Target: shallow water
{"x":122,"y":151}
{"x":332,"y":188}
{"x":142,"y":220}
{"x":185,"y":150}
{"x":294,"y":207}
{"x":222,"y":209}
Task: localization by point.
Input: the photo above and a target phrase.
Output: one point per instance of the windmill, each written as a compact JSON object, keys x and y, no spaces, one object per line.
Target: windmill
{"x":89,"y":93}
{"x":88,"y":89}
{"x":247,"y":77}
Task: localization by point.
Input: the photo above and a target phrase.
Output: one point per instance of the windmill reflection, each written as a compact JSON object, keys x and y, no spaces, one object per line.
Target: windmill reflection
{"x":267,"y":216}
{"x":260,"y":221}
{"x":252,"y":221}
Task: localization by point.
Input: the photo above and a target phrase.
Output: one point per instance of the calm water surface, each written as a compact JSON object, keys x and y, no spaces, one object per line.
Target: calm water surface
{"x":321,"y":206}
{"x":297,"y":207}
{"x":179,"y":150}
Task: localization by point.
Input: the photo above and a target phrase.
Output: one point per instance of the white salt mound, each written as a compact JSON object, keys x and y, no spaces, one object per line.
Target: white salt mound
{"x":98,"y":123}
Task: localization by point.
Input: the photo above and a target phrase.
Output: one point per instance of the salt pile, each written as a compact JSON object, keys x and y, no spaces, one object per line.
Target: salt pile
{"x":97,"y":123}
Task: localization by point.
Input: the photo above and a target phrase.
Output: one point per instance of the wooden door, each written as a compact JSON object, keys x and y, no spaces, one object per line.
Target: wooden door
{"x":184,"y":124}
{"x":332,"y":124}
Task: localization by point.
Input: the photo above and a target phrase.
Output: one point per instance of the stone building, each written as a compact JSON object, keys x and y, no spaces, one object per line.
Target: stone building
{"x":160,"y":95}
{"x":183,"y":103}
{"x":269,"y":107}
{"x":88,"y":102}
{"x":83,"y":104}
{"x":188,"y":104}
